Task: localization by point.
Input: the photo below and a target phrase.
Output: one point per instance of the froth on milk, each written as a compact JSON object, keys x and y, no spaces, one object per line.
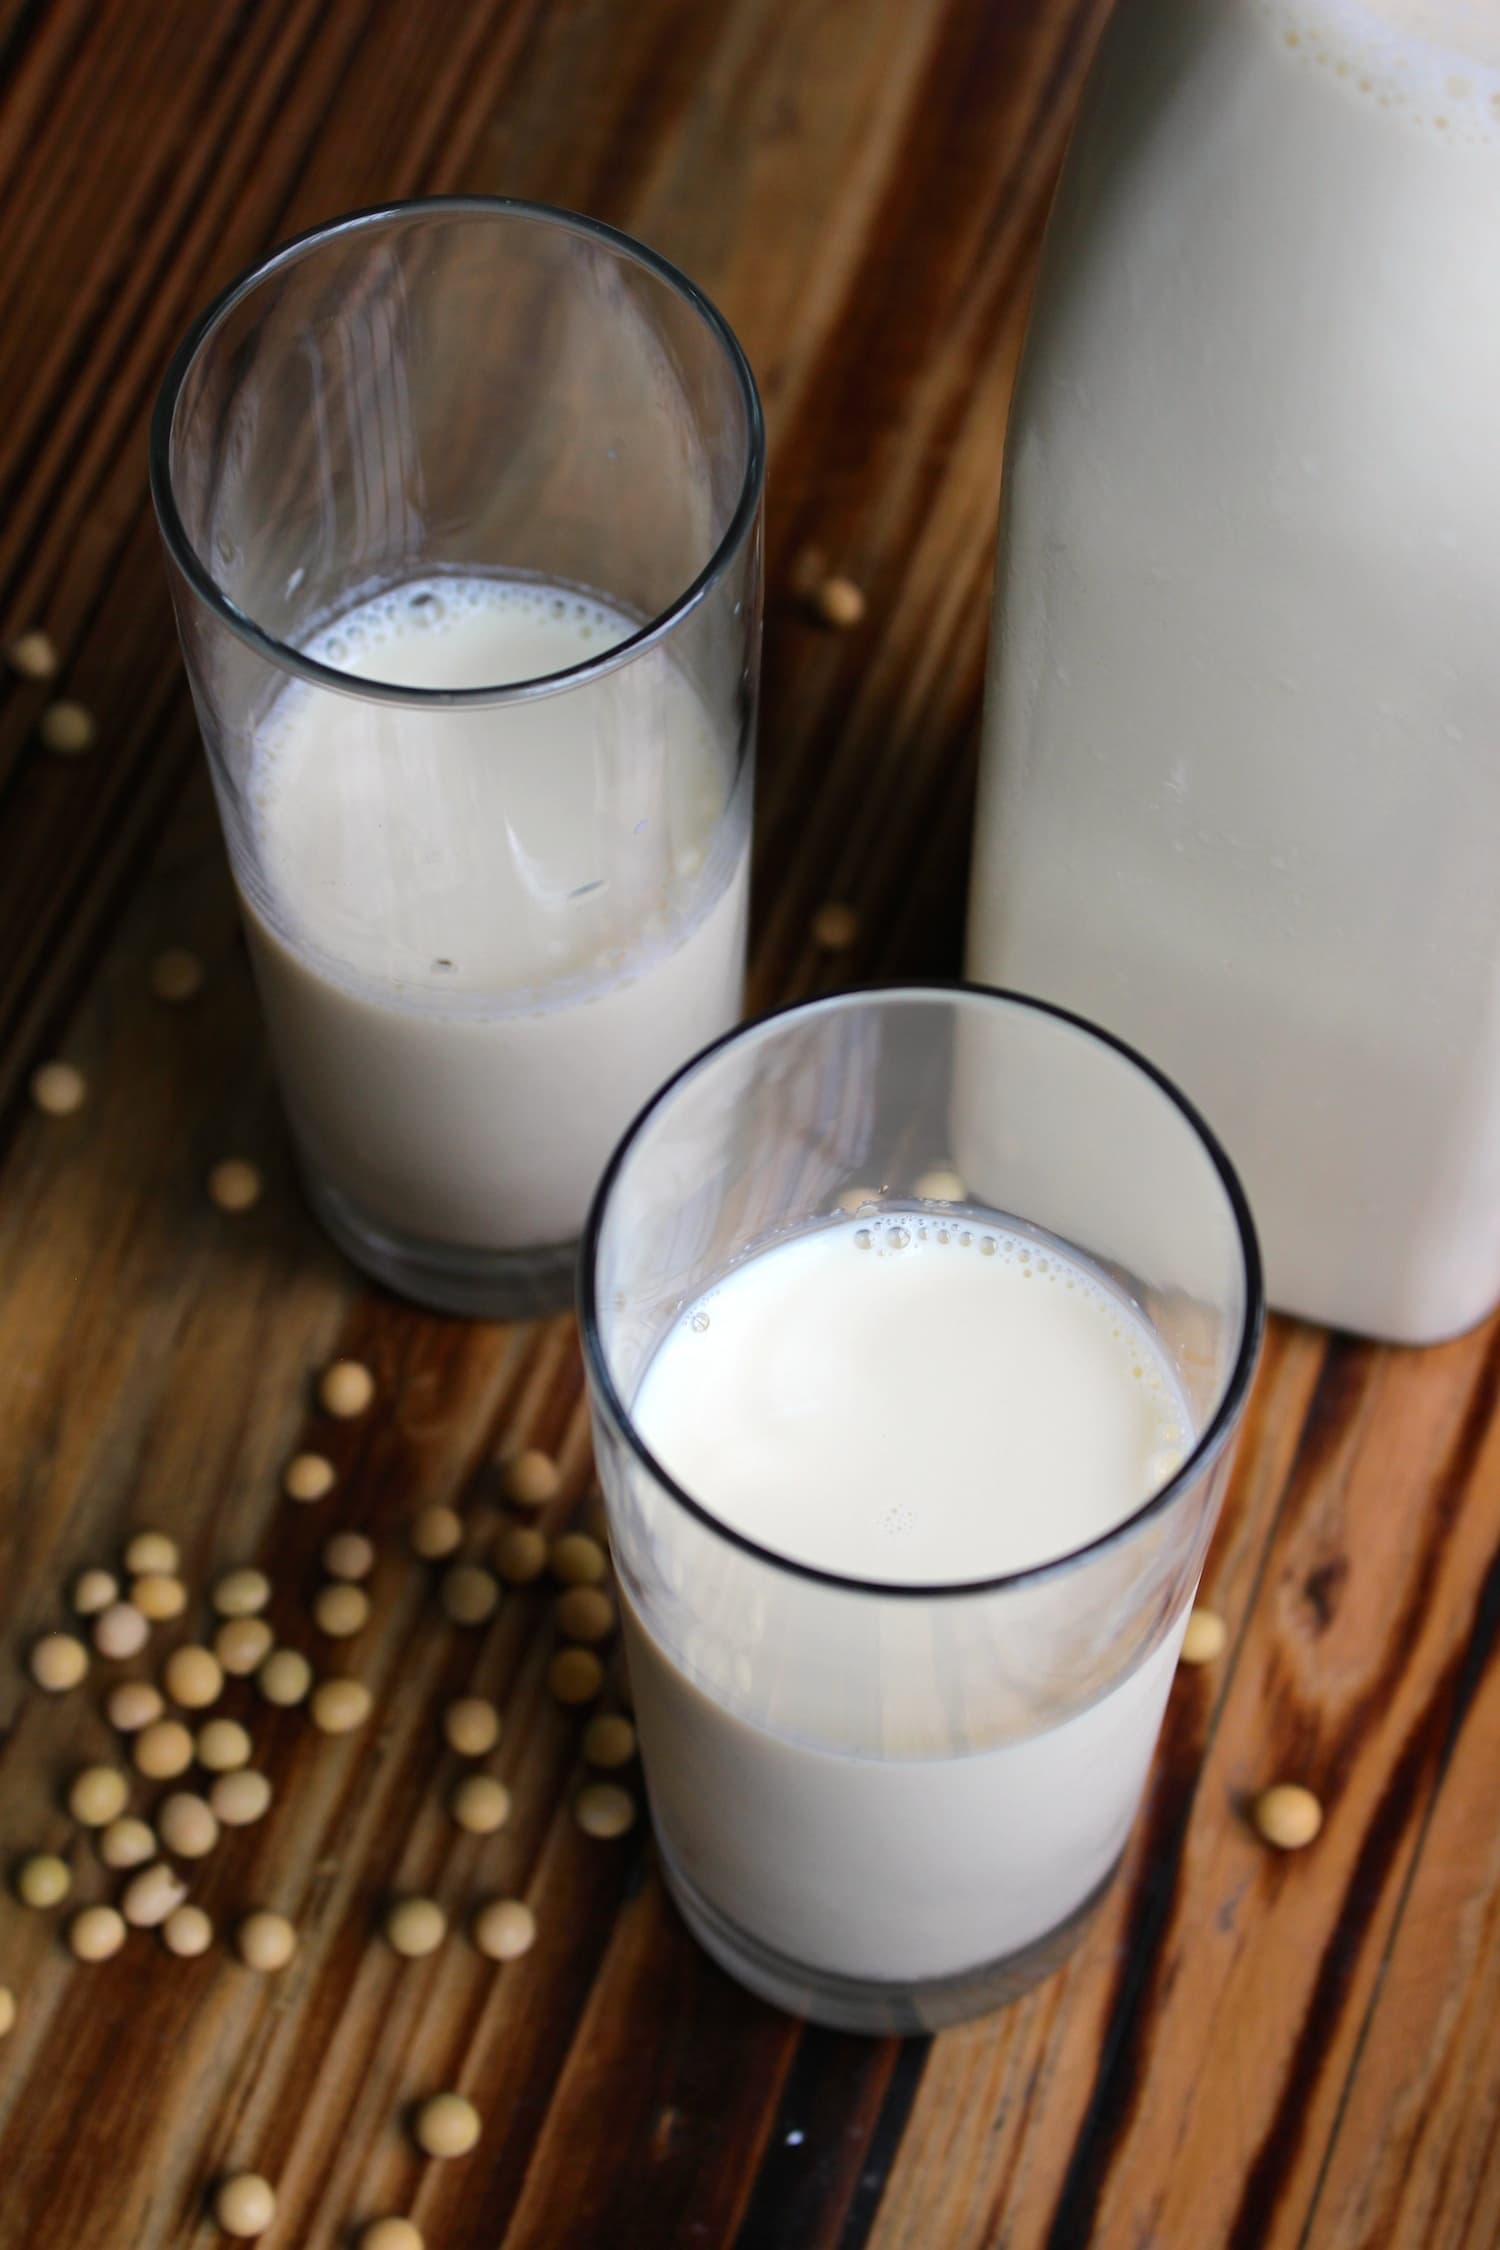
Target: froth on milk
{"x":484,"y":934}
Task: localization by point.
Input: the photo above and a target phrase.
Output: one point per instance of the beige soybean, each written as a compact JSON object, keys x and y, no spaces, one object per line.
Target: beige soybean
{"x":391,"y":2234}
{"x":265,"y":1941}
{"x":235,"y":1185}
{"x":152,"y":1895}
{"x":127,"y":1842}
{"x":176,"y":975}
{"x":835,"y":927}
{"x":285,"y":1677}
{"x":504,"y":1929}
{"x":158,"y":1596}
{"x":43,"y":1880}
{"x":940,"y":1185}
{"x":222,"y":1746}
{"x":150,"y":1552}
{"x":58,"y":1089}
{"x":348,"y":1554}
{"x":134,"y":1704}
{"x":577,"y":1560}
{"x":242,"y":1644}
{"x":346,"y":1388}
{"x":97,"y":1796}
{"x":469,"y":1594}
{"x":840,"y":603}
{"x":187,"y":1932}
{"x":531,"y":1478}
{"x":193,"y":1677}
{"x":120,"y":1631}
{"x":241,"y":1593}
{"x":1287,"y":1816}
{"x":520,"y":1554}
{"x":609,"y":1740}
{"x":446,"y":2125}
{"x":187,"y":1825}
{"x":584,"y":1613}
{"x":435,"y":1532}
{"x":338,"y":1706}
{"x":307,"y":1477}
{"x":94,"y":1590}
{"x":58,"y":1662}
{"x":602,"y":1808}
{"x":32,"y":656}
{"x":7,"y":2010}
{"x":238,"y":1800}
{"x":341,"y":1610}
{"x":471,"y":1726}
{"x":96,"y":1933}
{"x":1205,"y":1637}
{"x":480,"y":1804}
{"x":163,"y":1750}
{"x":67,"y":729}
{"x":245,"y":2205}
{"x":415,"y":1927}
{"x":575,"y":1675}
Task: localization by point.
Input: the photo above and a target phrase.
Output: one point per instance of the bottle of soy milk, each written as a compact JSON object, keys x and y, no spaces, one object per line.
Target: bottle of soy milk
{"x":1241,"y":784}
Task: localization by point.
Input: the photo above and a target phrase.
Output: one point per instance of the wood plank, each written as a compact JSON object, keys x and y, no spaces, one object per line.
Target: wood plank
{"x":1415,"y":2149}
{"x":1245,"y":2051}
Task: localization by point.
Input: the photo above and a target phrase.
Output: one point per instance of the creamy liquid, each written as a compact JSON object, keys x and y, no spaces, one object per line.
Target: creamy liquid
{"x":1240,"y":795}
{"x":484,"y":936}
{"x":914,"y":1401}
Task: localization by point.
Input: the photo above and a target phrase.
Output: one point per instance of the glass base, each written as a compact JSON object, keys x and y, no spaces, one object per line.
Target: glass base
{"x":476,"y":1284}
{"x":857,"y":2004}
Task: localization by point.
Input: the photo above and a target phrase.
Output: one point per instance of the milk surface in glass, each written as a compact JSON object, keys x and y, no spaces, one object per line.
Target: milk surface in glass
{"x":1241,"y":797}
{"x":484,"y":936}
{"x":914,"y":1399}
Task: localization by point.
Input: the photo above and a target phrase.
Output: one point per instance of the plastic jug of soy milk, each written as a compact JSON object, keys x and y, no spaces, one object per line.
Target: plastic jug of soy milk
{"x":1240,"y":797}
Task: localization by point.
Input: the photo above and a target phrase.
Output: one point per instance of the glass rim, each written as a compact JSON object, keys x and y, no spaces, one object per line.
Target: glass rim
{"x":1206,"y":1448}
{"x":371,"y":218}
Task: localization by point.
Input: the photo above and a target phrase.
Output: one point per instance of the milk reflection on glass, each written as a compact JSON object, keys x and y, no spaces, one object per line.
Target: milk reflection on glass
{"x":901,"y":1617}
{"x":462,"y":500}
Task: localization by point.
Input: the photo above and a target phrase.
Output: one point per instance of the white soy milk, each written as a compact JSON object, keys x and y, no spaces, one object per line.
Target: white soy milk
{"x":914,"y":1401}
{"x":484,"y":936}
{"x":1241,"y":798}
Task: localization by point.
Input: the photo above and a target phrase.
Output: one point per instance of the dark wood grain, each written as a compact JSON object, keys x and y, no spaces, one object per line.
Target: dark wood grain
{"x":1246,"y":2050}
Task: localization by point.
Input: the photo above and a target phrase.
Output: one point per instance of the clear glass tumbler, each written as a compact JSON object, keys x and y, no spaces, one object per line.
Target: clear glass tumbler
{"x":462,"y":505}
{"x":889,"y":1805}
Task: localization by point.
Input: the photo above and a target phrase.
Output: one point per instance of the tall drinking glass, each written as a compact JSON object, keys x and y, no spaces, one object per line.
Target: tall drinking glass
{"x":462,"y":505}
{"x":918,"y":1324}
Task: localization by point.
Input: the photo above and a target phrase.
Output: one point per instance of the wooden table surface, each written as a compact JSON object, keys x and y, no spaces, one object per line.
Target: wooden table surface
{"x":1248,"y":2050}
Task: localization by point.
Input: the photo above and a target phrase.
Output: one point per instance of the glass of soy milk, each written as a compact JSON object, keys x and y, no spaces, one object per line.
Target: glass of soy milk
{"x":462,"y":502}
{"x":918,"y":1325}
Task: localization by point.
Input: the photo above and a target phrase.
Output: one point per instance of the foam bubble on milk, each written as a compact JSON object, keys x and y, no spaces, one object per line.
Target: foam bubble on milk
{"x":1433,"y":65}
{"x":435,"y":607}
